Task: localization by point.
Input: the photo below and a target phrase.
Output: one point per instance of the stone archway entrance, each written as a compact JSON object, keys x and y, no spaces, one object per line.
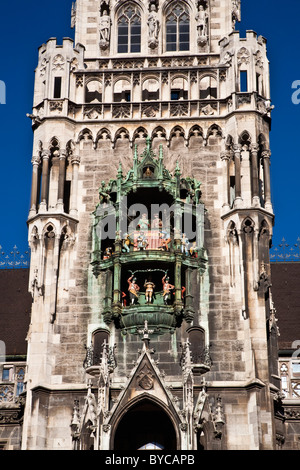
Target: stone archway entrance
{"x":145,"y":426}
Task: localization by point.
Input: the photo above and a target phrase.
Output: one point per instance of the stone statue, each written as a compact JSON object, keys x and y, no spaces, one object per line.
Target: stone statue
{"x":236,"y":13}
{"x":105,"y":24}
{"x":153,"y":27}
{"x":153,"y":23}
{"x":201,"y":19}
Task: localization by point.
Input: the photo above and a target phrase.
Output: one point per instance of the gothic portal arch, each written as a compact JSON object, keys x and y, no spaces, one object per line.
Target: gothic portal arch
{"x":144,"y":423}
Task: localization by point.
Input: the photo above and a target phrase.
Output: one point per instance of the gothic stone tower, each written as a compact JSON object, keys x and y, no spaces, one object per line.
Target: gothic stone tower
{"x":150,"y":224}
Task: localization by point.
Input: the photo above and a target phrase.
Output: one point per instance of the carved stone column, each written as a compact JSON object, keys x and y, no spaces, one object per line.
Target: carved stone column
{"x":237,"y":164}
{"x":225,"y":157}
{"x":61,"y":180}
{"x":34,"y":185}
{"x":255,"y":182}
{"x":75,"y":161}
{"x":267,"y":180}
{"x":45,"y":180}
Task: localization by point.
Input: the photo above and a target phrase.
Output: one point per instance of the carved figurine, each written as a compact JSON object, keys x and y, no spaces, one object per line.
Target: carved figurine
{"x":105,"y":23}
{"x":193,"y":250}
{"x":127,"y":243}
{"x":153,"y":27}
{"x":184,"y":244}
{"x":143,"y":223}
{"x":124,"y":301}
{"x":107,"y":253}
{"x":142,"y":242}
{"x":164,"y":245}
{"x":167,"y":288}
{"x":183,"y":289}
{"x":133,"y":290}
{"x":103,"y":195}
{"x":150,"y":286}
{"x":156,"y":222}
{"x":201,"y":19}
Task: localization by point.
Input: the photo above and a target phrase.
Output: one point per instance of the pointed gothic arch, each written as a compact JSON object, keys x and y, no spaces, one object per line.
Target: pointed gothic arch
{"x":103,"y":135}
{"x":146,"y":420}
{"x":245,"y":139}
{"x":85,"y":134}
{"x":214,"y":131}
{"x":121,"y":134}
{"x":195,"y":133}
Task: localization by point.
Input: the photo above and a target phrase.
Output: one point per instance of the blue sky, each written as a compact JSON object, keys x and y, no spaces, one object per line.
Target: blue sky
{"x":24,"y":26}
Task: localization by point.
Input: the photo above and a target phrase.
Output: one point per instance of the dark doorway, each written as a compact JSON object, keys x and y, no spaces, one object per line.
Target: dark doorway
{"x":145,"y":425}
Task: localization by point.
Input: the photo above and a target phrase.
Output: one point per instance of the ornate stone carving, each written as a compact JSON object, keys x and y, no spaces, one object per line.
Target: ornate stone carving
{"x":136,"y":79}
{"x":153,"y":27}
{"x":179,"y":109}
{"x":165,"y":78}
{"x":6,"y":393}
{"x":259,"y":60}
{"x":264,"y":106}
{"x":227,"y":59}
{"x":58,"y":62}
{"x":37,"y":289}
{"x":193,"y":77}
{"x":223,"y":75}
{"x":202,"y":25}
{"x":245,"y":98}
{"x":150,"y":110}
{"x":145,"y":378}
{"x":79,"y":80}
{"x":43,"y":67}
{"x":74,"y":64}
{"x":243,"y":56}
{"x":236,"y":12}
{"x":73,"y":15}
{"x":105,"y":25}
{"x":209,"y":109}
{"x":56,"y":106}
{"x":92,"y":113}
{"x":121,"y":111}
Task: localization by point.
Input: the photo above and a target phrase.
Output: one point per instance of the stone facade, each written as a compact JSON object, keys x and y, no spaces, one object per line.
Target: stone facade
{"x":171,"y":86}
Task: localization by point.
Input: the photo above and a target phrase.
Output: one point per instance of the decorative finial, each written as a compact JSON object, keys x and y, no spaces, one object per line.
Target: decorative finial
{"x":146,"y":332}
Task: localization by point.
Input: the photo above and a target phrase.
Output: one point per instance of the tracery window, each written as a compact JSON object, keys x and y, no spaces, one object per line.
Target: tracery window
{"x":129,"y":29}
{"x":178,"y":27}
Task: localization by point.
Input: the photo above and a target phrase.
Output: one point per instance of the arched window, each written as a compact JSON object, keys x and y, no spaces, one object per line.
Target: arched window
{"x":129,"y":29}
{"x":177,"y":27}
{"x":150,"y":90}
{"x":179,"y":89}
{"x":93,"y":92}
{"x":208,"y":88}
{"x":122,"y":91}
{"x":99,"y":338}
